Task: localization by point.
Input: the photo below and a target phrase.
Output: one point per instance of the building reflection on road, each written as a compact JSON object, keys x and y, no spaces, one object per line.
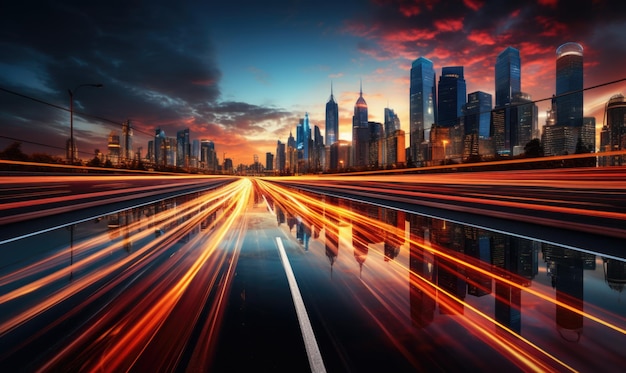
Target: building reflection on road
{"x":483,"y":277}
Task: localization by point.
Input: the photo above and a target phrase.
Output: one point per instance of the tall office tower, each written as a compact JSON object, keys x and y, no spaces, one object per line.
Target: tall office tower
{"x":160,"y":140}
{"x":150,"y":153}
{"x":395,"y":148}
{"x":194,"y":156}
{"x":476,"y":118}
{"x":318,"y":151}
{"x":558,"y":139}
{"x":269,"y":161}
{"x":303,"y":138}
{"x":375,"y":146}
{"x":170,"y":151}
{"x":360,"y":132}
{"x":569,"y":85}
{"x":615,"y":114}
{"x":126,"y":143}
{"x":114,"y":148}
{"x":423,"y":105}
{"x":208,"y":157}
{"x":508,"y":76}
{"x":452,"y":95}
{"x":524,"y":117}
{"x":588,"y":134}
{"x":292,"y":154}
{"x":332,"y":119}
{"x":280,"y":157}
{"x":183,"y":148}
{"x":392,"y":122}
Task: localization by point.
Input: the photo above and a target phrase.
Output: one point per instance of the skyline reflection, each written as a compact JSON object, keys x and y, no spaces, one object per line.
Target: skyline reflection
{"x":433,"y":272}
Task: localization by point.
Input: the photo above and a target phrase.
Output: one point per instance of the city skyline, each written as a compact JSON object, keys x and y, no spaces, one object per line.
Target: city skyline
{"x":244,"y":79}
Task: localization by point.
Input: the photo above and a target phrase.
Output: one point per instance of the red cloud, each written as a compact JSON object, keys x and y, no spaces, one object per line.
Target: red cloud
{"x":447,"y":25}
{"x":531,"y":48}
{"x":474,"y":4}
{"x":410,"y":35}
{"x":409,"y":10}
{"x":481,"y":38}
{"x":551,"y":27}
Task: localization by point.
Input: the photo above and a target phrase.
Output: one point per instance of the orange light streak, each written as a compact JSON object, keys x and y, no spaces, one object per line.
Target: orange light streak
{"x":304,"y":205}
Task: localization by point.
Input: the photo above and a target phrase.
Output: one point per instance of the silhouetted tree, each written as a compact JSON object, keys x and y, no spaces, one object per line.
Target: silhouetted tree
{"x":14,"y":152}
{"x":581,"y":148}
{"x":94,"y":162}
{"x":44,"y":158}
{"x":533,"y":149}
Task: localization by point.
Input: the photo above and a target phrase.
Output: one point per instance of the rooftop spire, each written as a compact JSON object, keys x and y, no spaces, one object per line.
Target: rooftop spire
{"x":361,"y":87}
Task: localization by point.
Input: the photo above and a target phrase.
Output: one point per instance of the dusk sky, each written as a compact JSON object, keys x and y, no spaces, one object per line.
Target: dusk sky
{"x":242,"y":73}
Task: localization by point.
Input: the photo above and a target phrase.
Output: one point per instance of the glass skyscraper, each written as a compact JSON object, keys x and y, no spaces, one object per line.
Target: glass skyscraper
{"x":423,"y":103}
{"x":569,"y":85}
{"x":477,"y":113}
{"x":360,"y":132}
{"x":452,"y":94}
{"x":508,"y":76}
{"x":183,"y":148}
{"x":332,"y":120}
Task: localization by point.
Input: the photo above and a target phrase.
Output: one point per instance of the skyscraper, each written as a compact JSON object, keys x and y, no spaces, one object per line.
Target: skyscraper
{"x":615,"y":114}
{"x":508,"y":76}
{"x":524,"y":116}
{"x":476,"y":119}
{"x":126,"y":142}
{"x":269,"y":161}
{"x":392,"y":122}
{"x":183,"y":148}
{"x":208,"y":156}
{"x":160,"y":156}
{"x":332,"y":120}
{"x":303,"y":139}
{"x":423,"y":104}
{"x":452,"y":95}
{"x":360,"y":132}
{"x":280,"y":157}
{"x":114,"y":148}
{"x":569,"y":85}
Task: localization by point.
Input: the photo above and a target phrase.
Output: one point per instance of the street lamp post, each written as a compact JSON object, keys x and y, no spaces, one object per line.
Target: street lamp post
{"x":444,"y":150}
{"x":72,"y":93}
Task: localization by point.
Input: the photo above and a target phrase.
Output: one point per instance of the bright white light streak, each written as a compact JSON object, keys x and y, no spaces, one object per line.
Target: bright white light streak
{"x":312,"y":349}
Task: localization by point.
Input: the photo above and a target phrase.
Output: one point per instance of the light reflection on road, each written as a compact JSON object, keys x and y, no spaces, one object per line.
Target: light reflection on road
{"x":149,"y":293}
{"x":166,"y":280}
{"x":440,"y":269}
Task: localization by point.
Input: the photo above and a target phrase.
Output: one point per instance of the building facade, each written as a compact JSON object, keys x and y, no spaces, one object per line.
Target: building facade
{"x":508,"y":76}
{"x":360,"y":133}
{"x":422,"y":105}
{"x":615,"y":114}
{"x":452,"y":96}
{"x":332,"y":120}
{"x":569,"y":85}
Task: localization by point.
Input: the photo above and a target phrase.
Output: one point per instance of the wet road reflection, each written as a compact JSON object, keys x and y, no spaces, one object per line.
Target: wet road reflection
{"x":165,"y":287}
{"x":114,"y":298}
{"x":473,"y":294}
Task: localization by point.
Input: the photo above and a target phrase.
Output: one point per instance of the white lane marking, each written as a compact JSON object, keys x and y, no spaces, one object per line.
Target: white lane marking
{"x":312,"y":349}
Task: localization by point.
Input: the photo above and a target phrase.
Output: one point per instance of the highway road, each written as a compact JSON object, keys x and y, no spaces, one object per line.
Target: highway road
{"x":338,"y":274}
